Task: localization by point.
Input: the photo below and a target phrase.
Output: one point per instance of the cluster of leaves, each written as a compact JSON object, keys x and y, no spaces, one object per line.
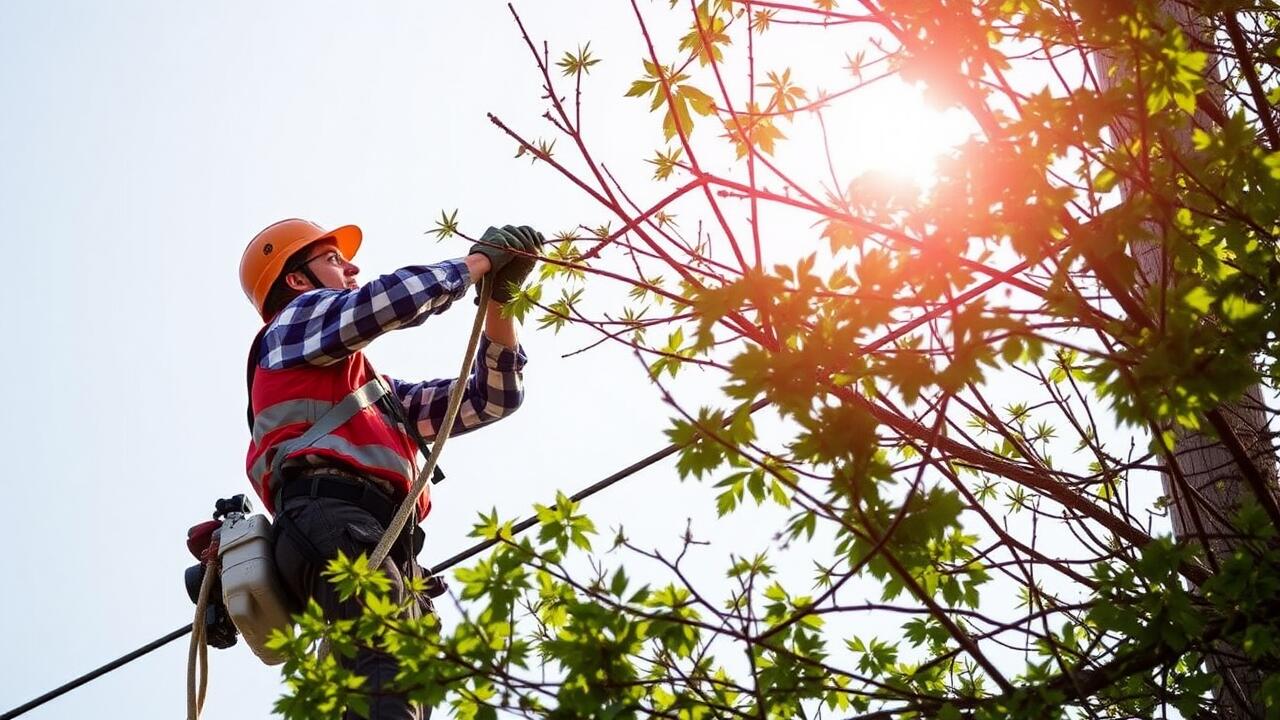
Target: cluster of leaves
{"x":972,"y":379}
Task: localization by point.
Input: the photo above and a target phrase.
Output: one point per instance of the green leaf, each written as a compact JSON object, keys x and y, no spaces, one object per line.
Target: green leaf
{"x":447,"y":226}
{"x":1199,"y":299}
{"x":618,"y":585}
{"x":577,"y":63}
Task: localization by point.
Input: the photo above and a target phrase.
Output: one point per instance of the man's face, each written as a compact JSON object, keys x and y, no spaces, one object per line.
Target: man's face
{"x":328,"y":265}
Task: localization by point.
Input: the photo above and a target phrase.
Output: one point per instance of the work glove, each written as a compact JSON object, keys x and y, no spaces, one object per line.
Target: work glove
{"x":512,"y":276}
{"x":500,"y":245}
{"x":497,"y":244}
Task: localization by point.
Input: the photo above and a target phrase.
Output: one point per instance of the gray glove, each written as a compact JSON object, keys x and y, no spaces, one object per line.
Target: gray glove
{"x":513,"y":274}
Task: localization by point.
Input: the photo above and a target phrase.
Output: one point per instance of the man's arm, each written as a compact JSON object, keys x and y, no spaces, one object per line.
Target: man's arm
{"x":320,"y":327}
{"x":494,"y":391}
{"x":501,"y":330}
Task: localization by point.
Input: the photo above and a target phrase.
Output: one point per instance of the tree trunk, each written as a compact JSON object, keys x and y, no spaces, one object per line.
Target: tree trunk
{"x":1214,"y":483}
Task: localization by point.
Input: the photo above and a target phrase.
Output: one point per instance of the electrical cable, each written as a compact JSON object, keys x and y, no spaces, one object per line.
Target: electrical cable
{"x":437,"y":569}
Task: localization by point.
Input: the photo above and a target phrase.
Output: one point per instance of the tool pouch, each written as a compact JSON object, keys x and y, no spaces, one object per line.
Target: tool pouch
{"x":251,"y":590}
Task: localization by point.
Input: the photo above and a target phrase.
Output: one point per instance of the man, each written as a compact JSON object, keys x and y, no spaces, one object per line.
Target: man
{"x":338,"y":488}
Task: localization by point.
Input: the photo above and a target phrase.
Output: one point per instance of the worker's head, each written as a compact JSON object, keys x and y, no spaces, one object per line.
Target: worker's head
{"x":293,"y":256}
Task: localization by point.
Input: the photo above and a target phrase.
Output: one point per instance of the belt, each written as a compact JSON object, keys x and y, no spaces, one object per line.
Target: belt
{"x":321,"y":482}
{"x":349,"y":487}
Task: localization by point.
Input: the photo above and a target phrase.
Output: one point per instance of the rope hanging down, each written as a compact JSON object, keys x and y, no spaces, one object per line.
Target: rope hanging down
{"x":198,"y":652}
{"x":410,"y":502}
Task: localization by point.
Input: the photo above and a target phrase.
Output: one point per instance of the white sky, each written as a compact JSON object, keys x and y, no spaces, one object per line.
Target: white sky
{"x":143,"y":144}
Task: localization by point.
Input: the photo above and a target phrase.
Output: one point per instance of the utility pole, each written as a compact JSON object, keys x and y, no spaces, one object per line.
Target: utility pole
{"x":1207,"y":481}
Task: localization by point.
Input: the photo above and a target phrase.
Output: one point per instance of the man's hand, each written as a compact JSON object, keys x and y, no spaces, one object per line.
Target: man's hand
{"x":510,"y":277}
{"x":500,"y":246}
{"x":497,"y":245}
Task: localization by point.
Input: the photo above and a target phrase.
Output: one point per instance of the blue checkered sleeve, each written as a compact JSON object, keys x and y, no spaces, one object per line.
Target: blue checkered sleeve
{"x":494,"y":391}
{"x":321,"y":327}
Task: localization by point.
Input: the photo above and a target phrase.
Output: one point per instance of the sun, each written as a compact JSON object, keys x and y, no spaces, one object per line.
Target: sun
{"x":892,"y":130}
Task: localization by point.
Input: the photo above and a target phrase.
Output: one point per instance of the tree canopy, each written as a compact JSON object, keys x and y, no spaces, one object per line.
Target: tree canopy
{"x":959,"y":392}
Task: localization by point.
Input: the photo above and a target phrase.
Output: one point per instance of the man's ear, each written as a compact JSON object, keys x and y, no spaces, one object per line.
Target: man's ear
{"x":297,"y":282}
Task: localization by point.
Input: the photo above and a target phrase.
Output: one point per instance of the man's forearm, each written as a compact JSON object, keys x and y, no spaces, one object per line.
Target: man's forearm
{"x":326,"y":325}
{"x":501,"y":330}
{"x":497,"y":328}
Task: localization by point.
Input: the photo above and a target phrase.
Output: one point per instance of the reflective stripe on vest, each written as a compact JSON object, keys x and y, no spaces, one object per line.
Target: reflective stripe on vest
{"x":288,"y":412}
{"x":374,"y":456}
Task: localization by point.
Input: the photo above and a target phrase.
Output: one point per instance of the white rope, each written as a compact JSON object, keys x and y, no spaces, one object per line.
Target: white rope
{"x":410,"y":502}
{"x":198,"y":653}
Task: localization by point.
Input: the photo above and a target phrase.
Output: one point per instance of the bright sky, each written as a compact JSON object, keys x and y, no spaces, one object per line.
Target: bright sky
{"x":144,"y":143}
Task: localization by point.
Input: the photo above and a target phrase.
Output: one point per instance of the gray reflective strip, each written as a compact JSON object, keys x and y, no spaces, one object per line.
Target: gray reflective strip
{"x":374,"y":456}
{"x":259,"y":467}
{"x":319,"y":435}
{"x":289,"y":412}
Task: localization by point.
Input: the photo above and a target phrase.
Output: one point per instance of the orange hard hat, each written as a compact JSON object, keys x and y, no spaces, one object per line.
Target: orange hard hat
{"x":263,"y":261}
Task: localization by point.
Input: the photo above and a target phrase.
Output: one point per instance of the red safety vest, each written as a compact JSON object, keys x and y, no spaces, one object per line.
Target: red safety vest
{"x":285,"y":403}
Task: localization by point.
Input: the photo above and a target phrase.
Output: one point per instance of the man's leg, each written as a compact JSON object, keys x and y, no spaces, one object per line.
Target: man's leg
{"x":330,"y":525}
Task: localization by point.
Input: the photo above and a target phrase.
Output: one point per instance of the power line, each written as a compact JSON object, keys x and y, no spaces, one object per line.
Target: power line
{"x":582,"y":494}
{"x":470,"y":552}
{"x":579,"y":496}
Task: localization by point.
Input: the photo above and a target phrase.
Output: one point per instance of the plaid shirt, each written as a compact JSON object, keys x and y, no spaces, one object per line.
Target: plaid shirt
{"x":321,"y":327}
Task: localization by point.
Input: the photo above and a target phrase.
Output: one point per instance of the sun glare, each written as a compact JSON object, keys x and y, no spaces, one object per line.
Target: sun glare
{"x":896,"y":132}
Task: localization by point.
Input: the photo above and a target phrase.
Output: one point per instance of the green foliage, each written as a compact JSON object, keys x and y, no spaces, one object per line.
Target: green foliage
{"x":578,"y":63}
{"x":669,"y":90}
{"x":447,"y":226}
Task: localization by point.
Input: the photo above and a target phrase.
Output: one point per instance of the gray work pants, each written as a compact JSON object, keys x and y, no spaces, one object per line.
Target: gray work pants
{"x":331,"y":525}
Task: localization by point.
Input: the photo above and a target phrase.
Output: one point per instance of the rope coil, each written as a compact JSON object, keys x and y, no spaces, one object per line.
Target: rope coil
{"x":198,"y":652}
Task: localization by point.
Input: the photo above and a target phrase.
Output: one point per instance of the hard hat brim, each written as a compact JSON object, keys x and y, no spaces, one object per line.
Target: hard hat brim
{"x":348,"y":238}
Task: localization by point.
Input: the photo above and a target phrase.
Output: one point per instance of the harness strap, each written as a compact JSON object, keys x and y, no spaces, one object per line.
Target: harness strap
{"x":358,"y":400}
{"x":376,"y":387}
{"x":391,"y":406}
